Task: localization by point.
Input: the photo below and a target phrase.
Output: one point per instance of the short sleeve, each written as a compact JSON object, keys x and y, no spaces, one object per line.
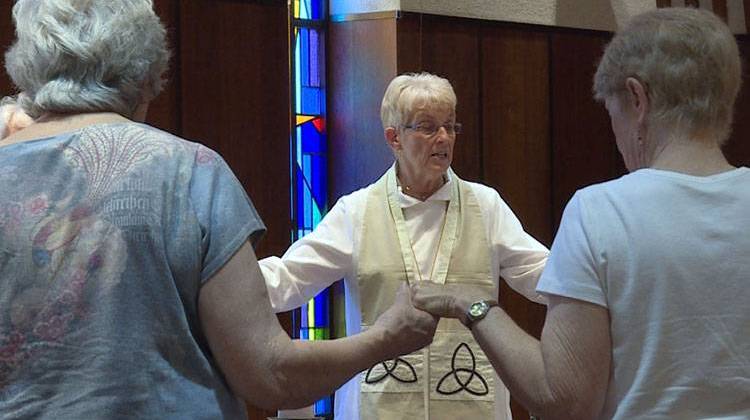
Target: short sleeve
{"x":571,"y":269}
{"x":226,"y":216}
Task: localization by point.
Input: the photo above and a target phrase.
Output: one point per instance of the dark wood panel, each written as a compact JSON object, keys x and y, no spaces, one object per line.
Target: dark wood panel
{"x":515,"y":134}
{"x":409,"y":42}
{"x":165,"y":109}
{"x":358,"y":153}
{"x":737,"y":148}
{"x":720,"y":8}
{"x":583,"y":146}
{"x":515,"y":129}
{"x":450,"y":49}
{"x":235,"y":98}
{"x":7,"y":36}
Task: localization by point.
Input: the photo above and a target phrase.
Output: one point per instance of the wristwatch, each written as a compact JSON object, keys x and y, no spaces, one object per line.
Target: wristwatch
{"x":477,"y":311}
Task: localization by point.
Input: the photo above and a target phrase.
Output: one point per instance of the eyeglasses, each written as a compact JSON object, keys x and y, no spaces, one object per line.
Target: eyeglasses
{"x":430,"y":129}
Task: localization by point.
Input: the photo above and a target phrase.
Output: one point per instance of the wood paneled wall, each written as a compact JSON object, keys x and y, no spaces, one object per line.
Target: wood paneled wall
{"x":531,"y":127}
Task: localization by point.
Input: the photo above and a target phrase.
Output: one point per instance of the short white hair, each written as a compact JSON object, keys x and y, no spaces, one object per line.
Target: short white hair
{"x":73,"y":56}
{"x":411,"y":92}
{"x":689,"y":62}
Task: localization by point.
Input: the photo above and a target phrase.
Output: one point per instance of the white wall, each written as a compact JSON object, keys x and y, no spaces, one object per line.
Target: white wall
{"x":585,"y":14}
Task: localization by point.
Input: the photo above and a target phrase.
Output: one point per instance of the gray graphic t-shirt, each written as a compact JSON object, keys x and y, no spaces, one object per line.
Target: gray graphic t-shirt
{"x":106,"y":236}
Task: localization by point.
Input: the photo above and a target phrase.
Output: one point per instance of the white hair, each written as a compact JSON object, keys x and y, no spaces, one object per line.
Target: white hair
{"x":74,"y":56}
{"x":689,"y":62}
{"x":411,"y":92}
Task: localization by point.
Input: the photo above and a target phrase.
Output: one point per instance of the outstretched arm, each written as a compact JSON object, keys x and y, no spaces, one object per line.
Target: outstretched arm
{"x":265,"y":367}
{"x":565,"y":375}
{"x":313,"y":262}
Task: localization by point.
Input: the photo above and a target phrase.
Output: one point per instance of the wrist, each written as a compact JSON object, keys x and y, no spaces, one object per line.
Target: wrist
{"x":377,"y":342}
{"x":477,"y":311}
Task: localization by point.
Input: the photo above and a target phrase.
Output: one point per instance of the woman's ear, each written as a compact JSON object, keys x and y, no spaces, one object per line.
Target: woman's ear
{"x":391,"y":137}
{"x":638,"y":97}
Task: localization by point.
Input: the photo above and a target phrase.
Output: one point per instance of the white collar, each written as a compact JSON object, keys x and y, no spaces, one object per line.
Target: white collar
{"x":442,"y":194}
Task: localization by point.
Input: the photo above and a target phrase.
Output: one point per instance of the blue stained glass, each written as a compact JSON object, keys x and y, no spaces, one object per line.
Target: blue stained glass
{"x":312,"y":140}
{"x":304,"y":65}
{"x":308,"y":156}
{"x":317,"y":214}
{"x":311,"y":100}
{"x":322,"y":94}
{"x":321,"y":311}
{"x":306,"y":168}
{"x":319,"y":183}
{"x":323,"y":406}
{"x":308,"y":222}
{"x":298,"y":145}
{"x":316,"y":10}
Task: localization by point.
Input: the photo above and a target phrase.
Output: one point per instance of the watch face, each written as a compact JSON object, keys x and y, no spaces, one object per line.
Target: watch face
{"x":478,"y":309}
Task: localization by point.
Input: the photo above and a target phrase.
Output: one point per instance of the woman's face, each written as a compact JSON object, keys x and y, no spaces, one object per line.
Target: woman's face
{"x":625,"y":128}
{"x":423,"y":154}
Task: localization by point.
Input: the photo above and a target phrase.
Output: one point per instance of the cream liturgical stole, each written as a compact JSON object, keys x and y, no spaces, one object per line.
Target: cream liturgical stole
{"x":452,"y":378}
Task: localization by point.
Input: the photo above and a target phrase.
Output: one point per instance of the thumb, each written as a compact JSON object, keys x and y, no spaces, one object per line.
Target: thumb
{"x":433,"y":299}
{"x":402,"y":294}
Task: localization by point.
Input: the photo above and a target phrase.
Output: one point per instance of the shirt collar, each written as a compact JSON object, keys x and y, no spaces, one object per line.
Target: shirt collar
{"x":442,"y":194}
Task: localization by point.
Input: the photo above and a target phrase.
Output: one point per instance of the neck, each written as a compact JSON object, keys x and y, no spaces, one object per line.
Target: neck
{"x":420,"y":188}
{"x":689,"y":155}
{"x":52,"y":124}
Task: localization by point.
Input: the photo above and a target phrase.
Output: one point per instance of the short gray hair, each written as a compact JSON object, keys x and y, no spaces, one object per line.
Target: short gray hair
{"x":411,"y":92}
{"x":689,"y":62}
{"x":74,"y":56}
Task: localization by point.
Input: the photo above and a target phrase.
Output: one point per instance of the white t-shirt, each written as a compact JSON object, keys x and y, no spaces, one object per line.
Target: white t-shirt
{"x":329,"y":253}
{"x":669,"y":255}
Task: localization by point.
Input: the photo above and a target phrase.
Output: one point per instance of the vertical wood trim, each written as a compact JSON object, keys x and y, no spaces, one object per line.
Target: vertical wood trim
{"x":720,"y":8}
{"x":746,"y":8}
{"x":7,"y":36}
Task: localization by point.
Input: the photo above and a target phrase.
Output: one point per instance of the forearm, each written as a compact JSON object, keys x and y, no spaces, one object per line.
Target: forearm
{"x":309,"y":369}
{"x":537,"y":377}
{"x":517,"y":358}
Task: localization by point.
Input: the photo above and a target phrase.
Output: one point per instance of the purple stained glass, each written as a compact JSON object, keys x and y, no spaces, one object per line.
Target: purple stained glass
{"x":314,"y":66}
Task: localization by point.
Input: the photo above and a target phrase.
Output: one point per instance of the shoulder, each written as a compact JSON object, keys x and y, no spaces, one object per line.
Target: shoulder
{"x":489,"y":199}
{"x":354,"y":200}
{"x":629,"y":187}
{"x":483,"y":193}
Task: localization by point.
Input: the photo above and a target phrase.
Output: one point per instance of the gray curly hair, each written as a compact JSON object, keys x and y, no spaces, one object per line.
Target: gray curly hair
{"x":689,"y":62}
{"x":74,"y":56}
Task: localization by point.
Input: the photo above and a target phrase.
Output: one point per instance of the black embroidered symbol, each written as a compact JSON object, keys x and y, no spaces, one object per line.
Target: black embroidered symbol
{"x":463,"y":377}
{"x":405,"y":375}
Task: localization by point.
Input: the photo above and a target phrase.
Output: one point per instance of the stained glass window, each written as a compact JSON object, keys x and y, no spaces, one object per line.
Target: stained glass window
{"x":309,"y":152}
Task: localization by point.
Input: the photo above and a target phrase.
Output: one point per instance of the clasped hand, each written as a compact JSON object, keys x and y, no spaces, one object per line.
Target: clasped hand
{"x":410,"y":322}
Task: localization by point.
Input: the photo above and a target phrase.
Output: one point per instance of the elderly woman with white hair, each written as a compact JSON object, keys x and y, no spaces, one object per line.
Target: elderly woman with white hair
{"x":649,"y":275}
{"x":419,"y":223}
{"x":128,"y":285}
